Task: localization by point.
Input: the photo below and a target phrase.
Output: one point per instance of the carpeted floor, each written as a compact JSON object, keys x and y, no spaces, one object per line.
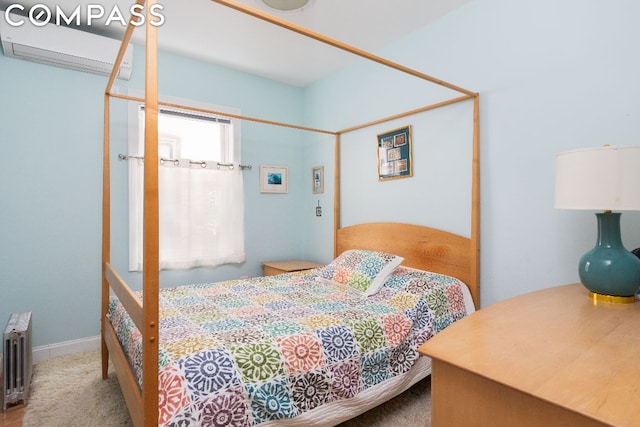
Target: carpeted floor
{"x":69,"y":392}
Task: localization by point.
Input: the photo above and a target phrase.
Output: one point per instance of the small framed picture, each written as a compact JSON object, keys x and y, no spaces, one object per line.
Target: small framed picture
{"x":394,"y":154}
{"x":317,"y":179}
{"x":274,"y":179}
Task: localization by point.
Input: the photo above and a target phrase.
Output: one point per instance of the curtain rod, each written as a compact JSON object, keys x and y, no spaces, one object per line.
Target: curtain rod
{"x":176,"y":162}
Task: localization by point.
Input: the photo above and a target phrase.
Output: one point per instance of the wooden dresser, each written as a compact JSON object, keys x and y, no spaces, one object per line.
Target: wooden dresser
{"x":549,"y":358}
{"x":271,"y":268}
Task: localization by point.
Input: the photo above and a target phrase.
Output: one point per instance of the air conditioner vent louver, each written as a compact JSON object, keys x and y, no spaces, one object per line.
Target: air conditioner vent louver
{"x":64,"y":47}
{"x":63,"y":60}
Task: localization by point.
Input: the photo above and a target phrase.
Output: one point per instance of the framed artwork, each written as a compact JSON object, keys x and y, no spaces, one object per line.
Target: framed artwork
{"x":394,"y":154}
{"x":317,"y":179}
{"x":274,"y":179}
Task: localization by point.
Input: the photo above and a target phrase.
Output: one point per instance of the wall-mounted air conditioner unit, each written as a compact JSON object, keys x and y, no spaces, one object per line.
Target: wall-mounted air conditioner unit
{"x":63,"y":47}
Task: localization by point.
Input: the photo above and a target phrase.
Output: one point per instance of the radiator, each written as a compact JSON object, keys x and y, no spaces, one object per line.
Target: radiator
{"x":17,"y":361}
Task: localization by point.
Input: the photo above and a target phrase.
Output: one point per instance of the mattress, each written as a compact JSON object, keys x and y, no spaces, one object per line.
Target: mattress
{"x":290,"y":349}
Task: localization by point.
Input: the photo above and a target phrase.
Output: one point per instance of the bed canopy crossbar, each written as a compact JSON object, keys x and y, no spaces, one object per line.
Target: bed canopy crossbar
{"x":143,"y":402}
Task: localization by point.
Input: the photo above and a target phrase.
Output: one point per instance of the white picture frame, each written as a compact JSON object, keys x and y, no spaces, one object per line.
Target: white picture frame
{"x":274,"y":179}
{"x":317,"y":179}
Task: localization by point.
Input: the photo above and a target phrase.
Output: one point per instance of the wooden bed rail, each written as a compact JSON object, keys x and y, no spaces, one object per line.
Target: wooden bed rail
{"x":224,"y":114}
{"x":338,"y":44}
{"x":127,"y":297}
{"x":128,"y":384}
{"x":133,"y":306}
{"x":408,"y":113}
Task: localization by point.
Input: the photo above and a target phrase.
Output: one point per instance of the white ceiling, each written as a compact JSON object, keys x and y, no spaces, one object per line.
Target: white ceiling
{"x":214,"y":33}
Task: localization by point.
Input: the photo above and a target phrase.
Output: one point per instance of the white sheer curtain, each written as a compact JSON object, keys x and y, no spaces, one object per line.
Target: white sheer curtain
{"x":201,"y":201}
{"x":201,"y":216}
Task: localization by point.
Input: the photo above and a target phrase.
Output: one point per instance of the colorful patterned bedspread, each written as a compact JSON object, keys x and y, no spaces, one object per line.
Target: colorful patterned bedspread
{"x":240,"y":352}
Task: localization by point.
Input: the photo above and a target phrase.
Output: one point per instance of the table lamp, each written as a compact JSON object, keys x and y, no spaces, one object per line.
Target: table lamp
{"x":603,"y":179}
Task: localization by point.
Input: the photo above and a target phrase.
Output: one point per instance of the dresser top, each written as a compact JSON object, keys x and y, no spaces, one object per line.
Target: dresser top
{"x":556,"y":344}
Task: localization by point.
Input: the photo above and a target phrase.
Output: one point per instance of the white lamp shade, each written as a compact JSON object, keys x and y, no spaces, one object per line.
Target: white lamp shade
{"x":603,"y":178}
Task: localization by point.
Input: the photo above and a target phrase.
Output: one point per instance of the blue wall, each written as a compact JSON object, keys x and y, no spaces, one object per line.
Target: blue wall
{"x":553,"y":76}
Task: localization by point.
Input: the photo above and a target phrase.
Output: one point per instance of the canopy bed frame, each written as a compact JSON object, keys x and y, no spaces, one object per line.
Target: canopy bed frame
{"x":422,"y":247}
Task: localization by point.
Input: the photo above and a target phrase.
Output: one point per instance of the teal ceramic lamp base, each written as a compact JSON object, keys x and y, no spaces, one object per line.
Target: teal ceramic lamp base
{"x":609,"y":271}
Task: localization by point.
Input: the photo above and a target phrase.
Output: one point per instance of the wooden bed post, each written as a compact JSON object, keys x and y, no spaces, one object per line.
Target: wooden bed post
{"x":106,"y":233}
{"x":151,"y":248}
{"x":127,"y":381}
{"x":336,"y":195}
{"x":475,"y":203}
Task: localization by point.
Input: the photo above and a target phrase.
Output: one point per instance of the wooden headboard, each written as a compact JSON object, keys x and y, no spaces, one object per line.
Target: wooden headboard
{"x":421,"y":247}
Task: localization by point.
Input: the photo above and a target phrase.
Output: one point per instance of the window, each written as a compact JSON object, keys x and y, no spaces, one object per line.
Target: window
{"x":201,"y":196}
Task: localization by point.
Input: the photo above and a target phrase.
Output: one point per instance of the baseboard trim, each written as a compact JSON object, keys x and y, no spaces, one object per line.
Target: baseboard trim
{"x":45,"y":352}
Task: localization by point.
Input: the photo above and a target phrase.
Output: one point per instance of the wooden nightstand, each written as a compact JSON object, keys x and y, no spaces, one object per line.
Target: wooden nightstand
{"x":271,"y":268}
{"x":548,"y":358}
